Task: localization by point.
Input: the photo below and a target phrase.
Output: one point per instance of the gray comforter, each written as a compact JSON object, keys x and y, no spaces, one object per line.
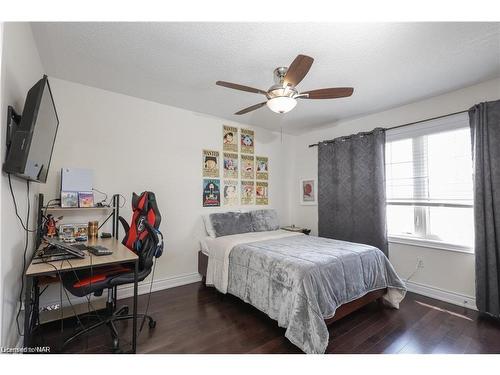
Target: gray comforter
{"x":300,"y":281}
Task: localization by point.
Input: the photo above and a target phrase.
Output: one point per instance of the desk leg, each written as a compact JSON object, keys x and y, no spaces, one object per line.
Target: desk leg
{"x":27,"y":311}
{"x":134,"y":339}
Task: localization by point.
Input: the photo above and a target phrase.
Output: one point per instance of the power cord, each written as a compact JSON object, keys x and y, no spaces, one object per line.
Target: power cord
{"x":149,"y":296}
{"x":90,"y":285}
{"x":66,"y":293}
{"x":124,"y":200}
{"x":417,"y":267}
{"x":25,"y":227}
{"x":103,"y":202}
{"x":26,"y":243}
{"x":48,"y":204}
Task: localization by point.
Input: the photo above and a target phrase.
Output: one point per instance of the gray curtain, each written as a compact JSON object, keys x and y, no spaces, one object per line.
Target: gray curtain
{"x":351,"y":189}
{"x":485,"y":131}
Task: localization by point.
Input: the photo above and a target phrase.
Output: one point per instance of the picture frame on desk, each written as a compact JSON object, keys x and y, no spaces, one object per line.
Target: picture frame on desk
{"x":73,"y":232}
{"x":308,"y":192}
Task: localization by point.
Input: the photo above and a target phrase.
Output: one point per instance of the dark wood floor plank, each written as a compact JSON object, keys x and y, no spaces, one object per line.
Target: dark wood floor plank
{"x":196,"y":319}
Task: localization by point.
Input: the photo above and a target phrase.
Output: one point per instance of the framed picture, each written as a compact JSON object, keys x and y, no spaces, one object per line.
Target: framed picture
{"x":308,"y":191}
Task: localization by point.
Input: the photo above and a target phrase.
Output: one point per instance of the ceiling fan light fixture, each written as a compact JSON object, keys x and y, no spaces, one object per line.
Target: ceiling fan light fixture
{"x":281,"y":104}
{"x":282,"y":96}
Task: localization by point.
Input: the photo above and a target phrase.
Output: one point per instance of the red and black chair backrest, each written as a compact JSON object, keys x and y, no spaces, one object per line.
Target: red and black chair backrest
{"x":144,"y":207}
{"x":143,"y":235}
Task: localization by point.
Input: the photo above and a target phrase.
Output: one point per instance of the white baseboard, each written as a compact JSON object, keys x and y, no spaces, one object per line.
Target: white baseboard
{"x":442,"y":295}
{"x":159,"y":284}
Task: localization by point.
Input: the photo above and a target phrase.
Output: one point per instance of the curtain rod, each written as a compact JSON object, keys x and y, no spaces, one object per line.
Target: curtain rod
{"x":400,"y":126}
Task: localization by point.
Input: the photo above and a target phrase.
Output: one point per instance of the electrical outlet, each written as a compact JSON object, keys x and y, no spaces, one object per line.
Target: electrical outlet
{"x":420,"y":264}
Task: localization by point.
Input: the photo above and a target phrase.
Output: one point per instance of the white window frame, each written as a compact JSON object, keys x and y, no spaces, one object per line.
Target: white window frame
{"x":439,"y":125}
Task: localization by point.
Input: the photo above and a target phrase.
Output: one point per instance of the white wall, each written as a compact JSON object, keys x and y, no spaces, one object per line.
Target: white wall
{"x":135,"y":145}
{"x":443,"y":270}
{"x":21,"y":68}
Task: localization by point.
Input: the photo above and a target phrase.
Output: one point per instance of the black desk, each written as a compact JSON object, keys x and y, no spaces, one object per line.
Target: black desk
{"x":121,"y":255}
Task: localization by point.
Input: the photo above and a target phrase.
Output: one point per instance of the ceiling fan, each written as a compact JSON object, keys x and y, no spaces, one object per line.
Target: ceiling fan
{"x":282,"y":96}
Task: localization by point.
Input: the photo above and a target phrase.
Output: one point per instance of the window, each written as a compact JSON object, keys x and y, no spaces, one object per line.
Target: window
{"x":429,"y":182}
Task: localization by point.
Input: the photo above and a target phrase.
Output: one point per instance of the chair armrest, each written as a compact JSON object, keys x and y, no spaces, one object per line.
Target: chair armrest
{"x":125,"y":225}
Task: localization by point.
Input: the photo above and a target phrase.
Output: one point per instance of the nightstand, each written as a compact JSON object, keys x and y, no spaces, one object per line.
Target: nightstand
{"x":293,"y":228}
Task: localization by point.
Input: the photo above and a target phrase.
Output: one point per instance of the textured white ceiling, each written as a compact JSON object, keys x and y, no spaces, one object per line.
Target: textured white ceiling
{"x":388,"y":64}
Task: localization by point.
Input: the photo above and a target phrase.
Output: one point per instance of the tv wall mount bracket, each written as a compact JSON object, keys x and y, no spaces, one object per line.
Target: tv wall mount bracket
{"x":13,"y":121}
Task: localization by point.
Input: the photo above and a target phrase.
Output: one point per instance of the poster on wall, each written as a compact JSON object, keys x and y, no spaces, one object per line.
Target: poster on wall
{"x":247,"y":141}
{"x":230,"y":165}
{"x":230,"y":193}
{"x":230,"y":138}
{"x":247,"y":192}
{"x":247,"y":167}
{"x":262,"y":167}
{"x":211,"y":192}
{"x":308,"y":194}
{"x":261,"y":192}
{"x":210,"y":163}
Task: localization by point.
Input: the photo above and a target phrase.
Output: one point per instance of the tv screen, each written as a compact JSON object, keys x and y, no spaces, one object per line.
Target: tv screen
{"x":32,"y":141}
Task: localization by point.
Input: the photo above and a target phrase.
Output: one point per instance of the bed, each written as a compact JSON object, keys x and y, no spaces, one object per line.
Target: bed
{"x":302,"y":282}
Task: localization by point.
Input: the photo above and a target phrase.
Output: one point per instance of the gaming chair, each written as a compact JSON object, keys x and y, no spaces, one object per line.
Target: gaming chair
{"x":142,"y":237}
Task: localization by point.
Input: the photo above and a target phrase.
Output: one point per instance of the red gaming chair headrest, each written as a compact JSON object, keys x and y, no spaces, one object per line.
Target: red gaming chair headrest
{"x":144,"y":207}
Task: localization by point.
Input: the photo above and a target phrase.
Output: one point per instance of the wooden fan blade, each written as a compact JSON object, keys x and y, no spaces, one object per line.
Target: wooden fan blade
{"x":240,"y":87}
{"x":332,"y":93}
{"x":250,"y":109}
{"x":298,"y":70}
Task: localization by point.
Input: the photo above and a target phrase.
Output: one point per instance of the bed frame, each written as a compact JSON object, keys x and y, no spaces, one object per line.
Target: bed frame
{"x":341,"y":312}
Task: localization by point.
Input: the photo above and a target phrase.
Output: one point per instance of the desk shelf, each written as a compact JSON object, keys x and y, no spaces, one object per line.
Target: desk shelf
{"x":59,"y":208}
{"x":113,"y":211}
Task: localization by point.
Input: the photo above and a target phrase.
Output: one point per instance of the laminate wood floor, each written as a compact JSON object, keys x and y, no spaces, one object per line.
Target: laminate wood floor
{"x":196,"y":319}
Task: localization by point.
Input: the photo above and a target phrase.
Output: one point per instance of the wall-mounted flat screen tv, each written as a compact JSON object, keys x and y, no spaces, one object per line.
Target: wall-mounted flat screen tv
{"x":31,"y":140}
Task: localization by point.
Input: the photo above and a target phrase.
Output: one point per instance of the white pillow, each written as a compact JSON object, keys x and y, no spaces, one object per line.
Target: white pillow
{"x":208,"y":226}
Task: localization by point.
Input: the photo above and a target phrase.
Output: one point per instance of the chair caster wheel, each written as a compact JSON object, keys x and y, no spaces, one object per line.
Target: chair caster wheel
{"x":152,"y":324}
{"x":116,"y":344}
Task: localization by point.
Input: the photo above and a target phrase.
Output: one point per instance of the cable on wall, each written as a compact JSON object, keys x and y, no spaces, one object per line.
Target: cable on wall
{"x":27,"y":231}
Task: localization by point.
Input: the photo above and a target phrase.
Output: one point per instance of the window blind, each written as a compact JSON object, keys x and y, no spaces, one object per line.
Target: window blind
{"x":430,"y":163}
